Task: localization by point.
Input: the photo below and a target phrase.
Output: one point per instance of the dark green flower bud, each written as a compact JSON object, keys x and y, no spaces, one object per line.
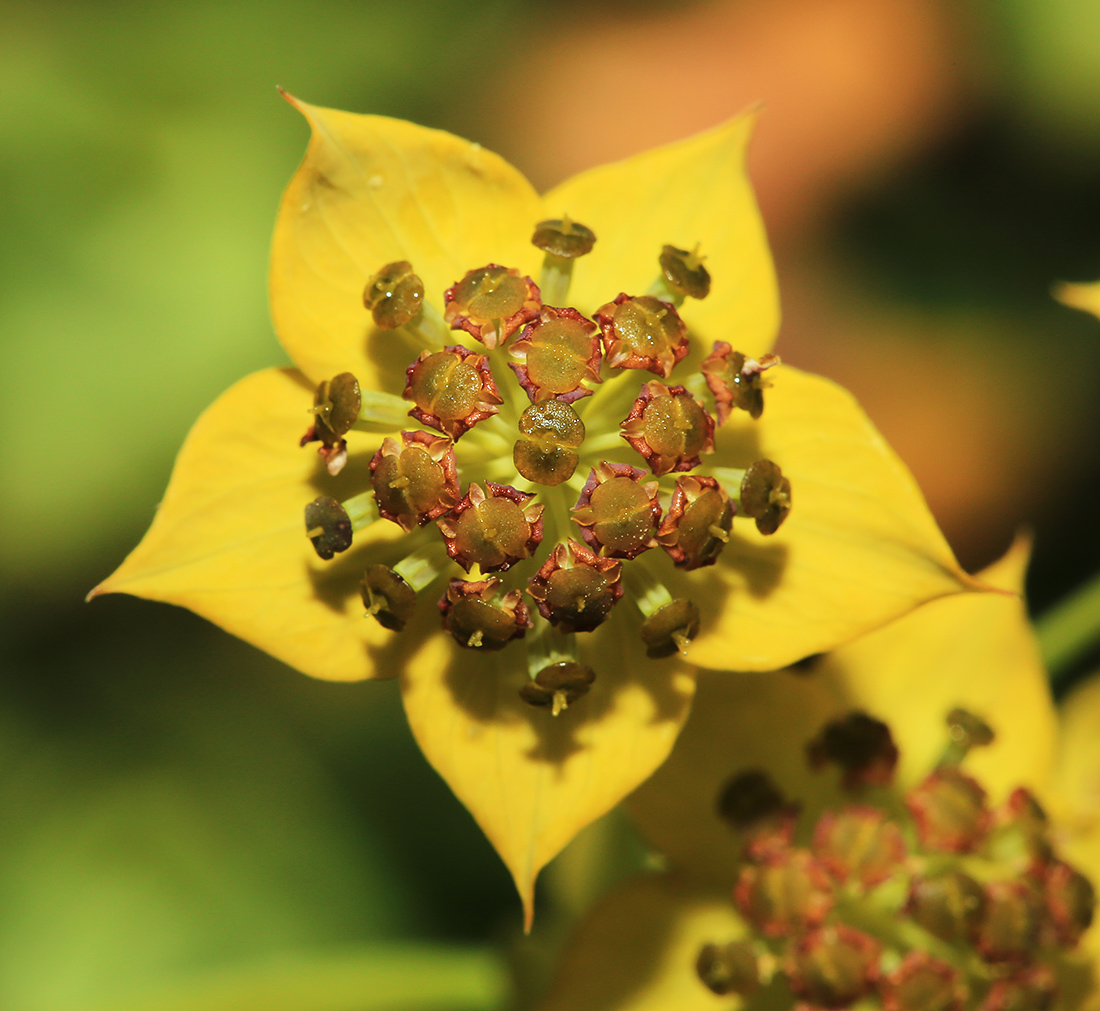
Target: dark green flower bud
{"x":550,"y":434}
{"x":729,"y":968}
{"x":765,"y":496}
{"x":684,"y":272}
{"x":394,"y":295}
{"x":558,"y":685}
{"x":387,"y":597}
{"x":563,"y":238}
{"x":670,"y":628}
{"x":328,"y":526}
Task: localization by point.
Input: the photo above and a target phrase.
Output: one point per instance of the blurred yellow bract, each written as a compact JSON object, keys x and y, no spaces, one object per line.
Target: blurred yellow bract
{"x":1021,"y":935}
{"x":858,"y":549}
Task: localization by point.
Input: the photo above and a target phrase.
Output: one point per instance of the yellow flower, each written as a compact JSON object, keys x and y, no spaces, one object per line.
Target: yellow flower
{"x":393,"y":215}
{"x":958,"y":899}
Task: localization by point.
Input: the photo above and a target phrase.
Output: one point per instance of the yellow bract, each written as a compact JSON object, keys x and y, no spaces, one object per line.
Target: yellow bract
{"x":372,"y":190}
{"x":228,"y":541}
{"x":693,"y":192}
{"x":1085,"y":297}
{"x":533,"y":781}
{"x":858,"y":549}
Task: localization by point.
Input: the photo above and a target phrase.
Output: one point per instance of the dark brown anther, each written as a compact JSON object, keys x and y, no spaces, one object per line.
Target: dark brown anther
{"x":1033,"y":988}
{"x":477,"y":620}
{"x":859,"y":843}
{"x":923,"y":983}
{"x":735,"y":380}
{"x":550,"y":434}
{"x":765,"y":496}
{"x":558,"y":685}
{"x":670,"y":629}
{"x":492,"y":527}
{"x":328,"y":526}
{"x":414,"y":478}
{"x":575,"y":589}
{"x":684,"y":272}
{"x":786,"y":891}
{"x":669,"y":428}
{"x":697,"y":524}
{"x":617,"y":513}
{"x":491,"y":303}
{"x":949,"y":906}
{"x":729,"y":968}
{"x":642,"y":333}
{"x":754,"y":807}
{"x":1071,"y":900}
{"x":965,"y":731}
{"x":833,"y":966}
{"x":336,"y":404}
{"x":387,"y":597}
{"x":1012,"y":922}
{"x":563,"y":238}
{"x":557,"y":353}
{"x":950,"y":812}
{"x":861,"y":746}
{"x":453,"y":390}
{"x":394,"y":295}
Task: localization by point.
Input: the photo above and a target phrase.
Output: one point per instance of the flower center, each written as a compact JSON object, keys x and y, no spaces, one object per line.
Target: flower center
{"x":938,"y":903}
{"x":539,"y":478}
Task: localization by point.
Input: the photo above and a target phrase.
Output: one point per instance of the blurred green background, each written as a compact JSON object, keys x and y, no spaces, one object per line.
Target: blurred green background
{"x":185,"y":822}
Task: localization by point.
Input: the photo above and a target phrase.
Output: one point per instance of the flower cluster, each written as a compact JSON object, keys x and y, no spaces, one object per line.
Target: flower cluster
{"x":599,"y":512}
{"x":555,"y":454}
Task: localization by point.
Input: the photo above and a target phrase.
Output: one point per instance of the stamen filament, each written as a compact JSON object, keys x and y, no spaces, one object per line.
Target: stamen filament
{"x":548,"y":645}
{"x":428,"y":327}
{"x":646,"y":590}
{"x":423,"y":567}
{"x":730,"y":479}
{"x":362,"y":510}
{"x":554,"y":281}
{"x":382,"y":412}
{"x":660,"y":289}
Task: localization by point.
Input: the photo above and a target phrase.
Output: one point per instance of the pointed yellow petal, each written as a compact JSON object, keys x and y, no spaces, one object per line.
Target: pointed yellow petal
{"x":1077,"y":779}
{"x":858,"y":549}
{"x":532,"y":780}
{"x":637,"y":950}
{"x":976,"y":651}
{"x":228,"y":541}
{"x":372,"y":190}
{"x":693,"y":191}
{"x":1085,"y":297}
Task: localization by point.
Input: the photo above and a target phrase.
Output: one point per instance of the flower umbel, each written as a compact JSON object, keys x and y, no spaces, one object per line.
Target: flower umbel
{"x":887,"y":827}
{"x":543,"y":513}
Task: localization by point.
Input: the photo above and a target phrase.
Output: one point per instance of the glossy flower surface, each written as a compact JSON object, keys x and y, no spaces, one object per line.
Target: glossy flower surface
{"x":423,"y":515}
{"x":1000,"y":913}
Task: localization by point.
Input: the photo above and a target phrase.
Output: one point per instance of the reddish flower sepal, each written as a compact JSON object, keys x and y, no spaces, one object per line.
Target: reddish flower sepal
{"x":617,"y":514}
{"x":575,"y":589}
{"x":669,"y":428}
{"x":414,"y":479}
{"x":491,"y":303}
{"x":453,"y":390}
{"x":494,"y":530}
{"x":477,"y":620}
{"x":698,"y":522}
{"x":557,"y":353}
{"x":642,"y":333}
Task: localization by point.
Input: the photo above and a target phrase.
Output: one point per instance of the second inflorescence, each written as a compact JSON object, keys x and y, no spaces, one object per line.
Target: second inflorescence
{"x":539,"y":470}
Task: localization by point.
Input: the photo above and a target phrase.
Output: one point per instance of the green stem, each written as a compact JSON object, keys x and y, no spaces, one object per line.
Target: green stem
{"x":1069,"y":629}
{"x":557,"y":274}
